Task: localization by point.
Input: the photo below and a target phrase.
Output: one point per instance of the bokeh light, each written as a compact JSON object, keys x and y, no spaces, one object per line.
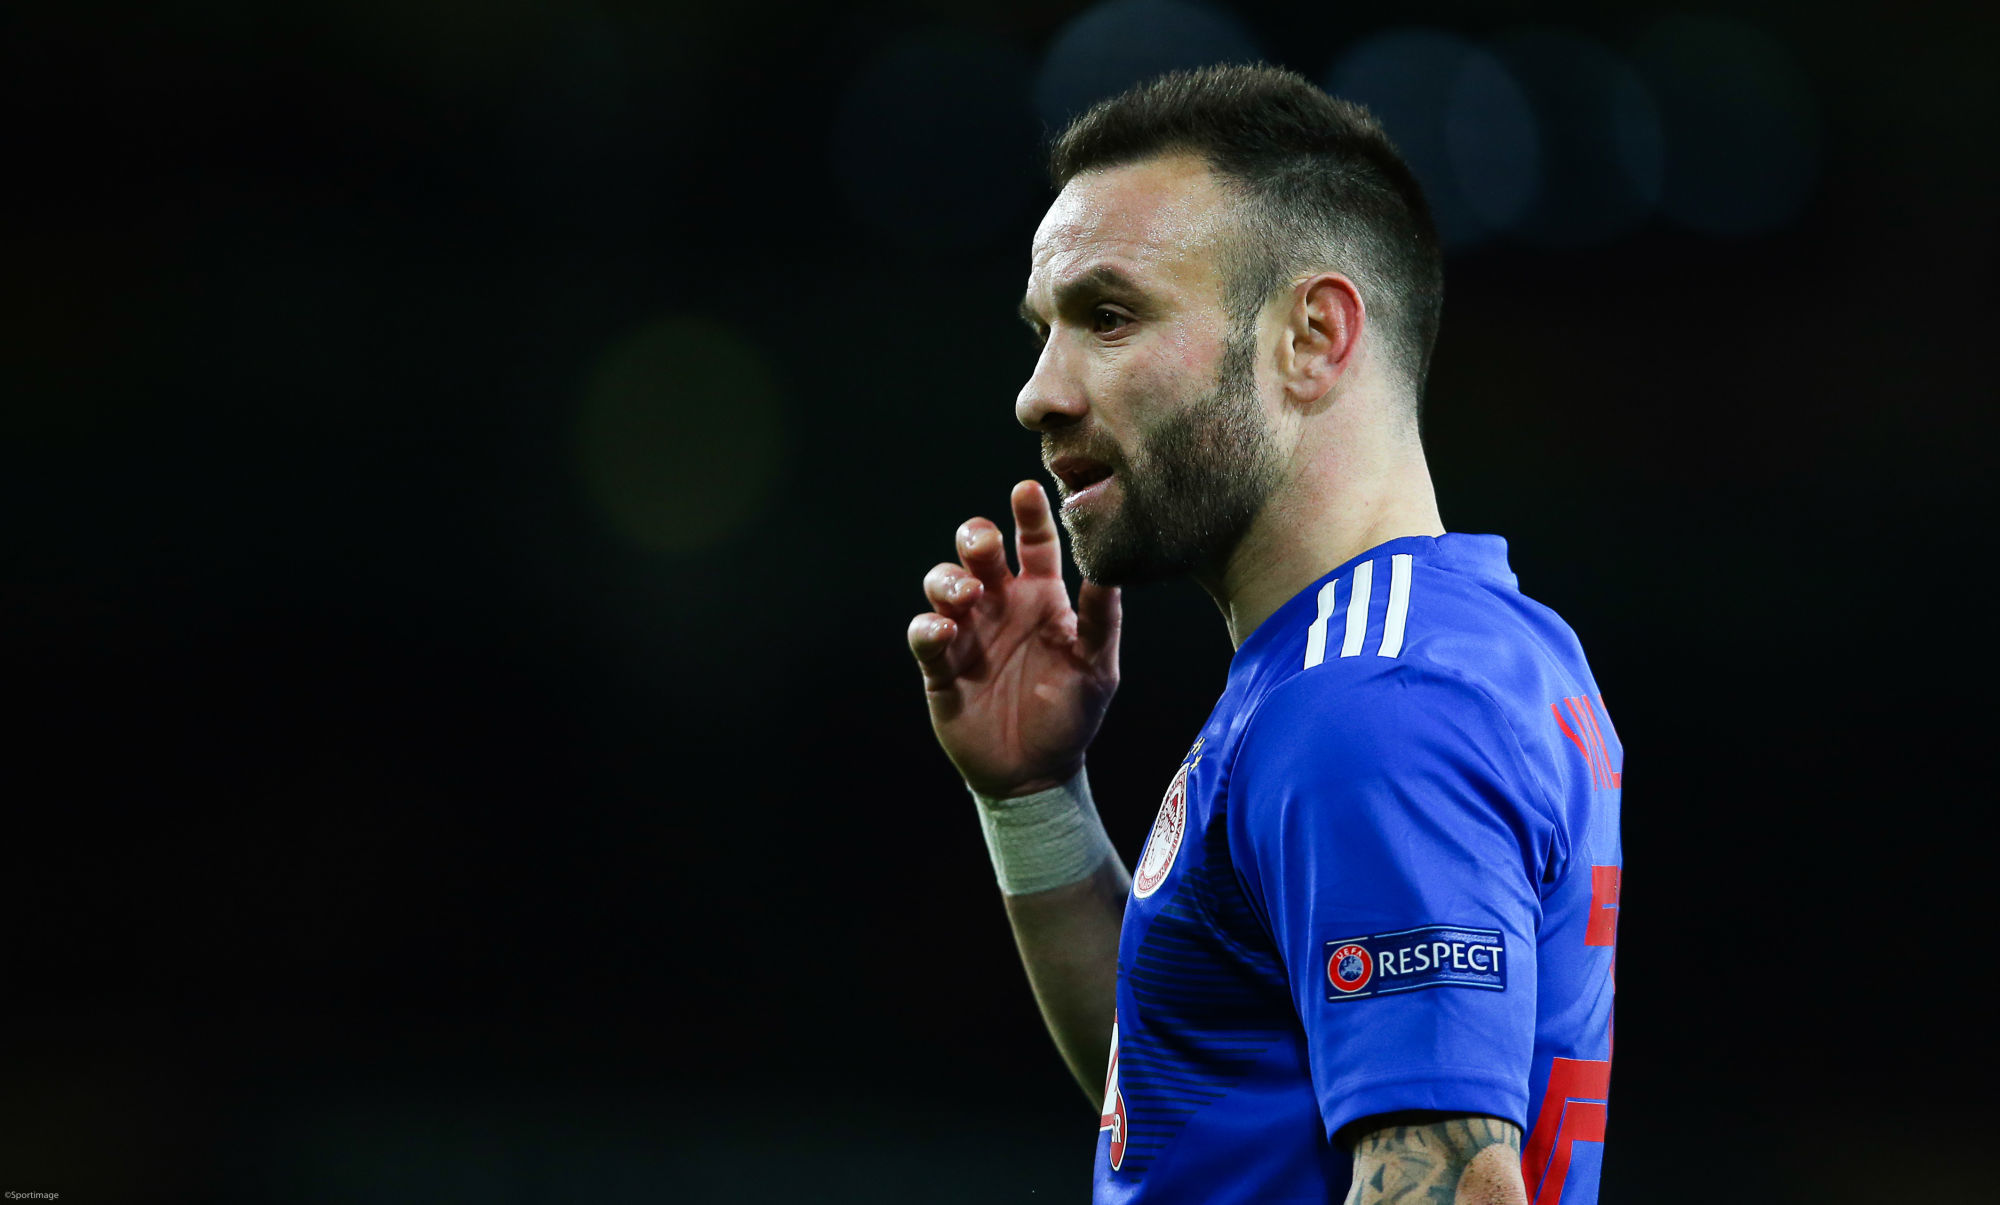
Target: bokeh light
{"x":1109,"y":48}
{"x":680,"y":440}
{"x":1599,"y":136}
{"x":934,"y":140}
{"x":1742,"y":126}
{"x":1459,"y":119}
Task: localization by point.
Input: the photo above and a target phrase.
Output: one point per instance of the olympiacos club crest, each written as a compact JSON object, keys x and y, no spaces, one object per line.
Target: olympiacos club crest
{"x":1168,"y":829}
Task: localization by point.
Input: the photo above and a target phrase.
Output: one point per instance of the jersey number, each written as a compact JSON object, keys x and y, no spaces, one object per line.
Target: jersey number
{"x":1573,"y":1106}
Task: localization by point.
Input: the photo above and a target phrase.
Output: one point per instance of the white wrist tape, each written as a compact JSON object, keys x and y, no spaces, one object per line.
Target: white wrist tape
{"x":1049,"y":839}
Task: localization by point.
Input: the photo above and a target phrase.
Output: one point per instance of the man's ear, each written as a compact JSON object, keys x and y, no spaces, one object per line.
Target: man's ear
{"x":1322,"y":337}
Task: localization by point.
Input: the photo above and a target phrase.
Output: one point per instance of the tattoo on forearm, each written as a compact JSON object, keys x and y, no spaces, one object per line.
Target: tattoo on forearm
{"x":1425,"y":1164}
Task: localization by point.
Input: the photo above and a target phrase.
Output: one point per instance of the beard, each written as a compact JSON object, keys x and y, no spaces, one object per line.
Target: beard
{"x":1199,"y":480}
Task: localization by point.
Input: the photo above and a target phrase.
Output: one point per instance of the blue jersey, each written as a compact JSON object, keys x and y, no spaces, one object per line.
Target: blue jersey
{"x":1384,"y":878}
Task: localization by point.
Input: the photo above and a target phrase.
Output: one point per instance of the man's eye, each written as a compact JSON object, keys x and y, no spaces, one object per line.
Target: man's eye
{"x":1104,"y":321}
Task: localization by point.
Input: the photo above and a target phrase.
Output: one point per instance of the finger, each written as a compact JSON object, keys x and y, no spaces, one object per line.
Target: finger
{"x":1036,"y":544}
{"x":982,"y":551}
{"x":951,"y":590}
{"x":1099,"y":615}
{"x":930,"y":639}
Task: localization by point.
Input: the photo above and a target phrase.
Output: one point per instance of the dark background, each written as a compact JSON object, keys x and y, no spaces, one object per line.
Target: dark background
{"x":468,"y":469}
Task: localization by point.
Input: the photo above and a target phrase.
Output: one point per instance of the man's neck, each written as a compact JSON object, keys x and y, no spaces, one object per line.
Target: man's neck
{"x":1324,"y":519}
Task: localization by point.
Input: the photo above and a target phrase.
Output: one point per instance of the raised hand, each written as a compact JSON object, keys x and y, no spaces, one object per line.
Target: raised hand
{"x":1017,"y":680}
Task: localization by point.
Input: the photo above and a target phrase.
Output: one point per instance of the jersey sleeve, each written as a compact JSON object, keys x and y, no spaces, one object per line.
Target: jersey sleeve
{"x":1386,"y":828}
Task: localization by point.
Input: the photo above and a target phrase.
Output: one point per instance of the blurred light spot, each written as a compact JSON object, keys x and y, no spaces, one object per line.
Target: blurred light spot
{"x":1459,"y":120}
{"x":1495,"y":148}
{"x":1600,"y":138}
{"x":680,"y":440}
{"x":1113,"y":46}
{"x":934,"y":141}
{"x":1742,"y":126}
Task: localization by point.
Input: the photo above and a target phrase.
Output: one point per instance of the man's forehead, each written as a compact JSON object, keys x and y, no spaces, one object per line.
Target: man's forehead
{"x":1157,"y":217}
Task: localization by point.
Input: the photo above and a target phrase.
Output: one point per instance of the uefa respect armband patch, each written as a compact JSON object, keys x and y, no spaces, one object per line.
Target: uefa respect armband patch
{"x":1432,"y":956}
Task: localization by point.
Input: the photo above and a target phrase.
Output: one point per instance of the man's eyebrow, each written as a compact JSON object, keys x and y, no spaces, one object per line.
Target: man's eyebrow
{"x":1102,"y":278}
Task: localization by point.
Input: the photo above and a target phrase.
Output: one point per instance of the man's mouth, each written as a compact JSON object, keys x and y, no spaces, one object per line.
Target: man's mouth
{"x":1079,"y":475}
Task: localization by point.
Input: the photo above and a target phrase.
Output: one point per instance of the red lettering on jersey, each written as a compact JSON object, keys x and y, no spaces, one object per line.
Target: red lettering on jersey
{"x":1588,"y":737}
{"x":1618,"y":777}
{"x":1572,"y":1111}
{"x":1603,"y":927}
{"x":1574,"y":1104}
{"x":1574,"y":739}
{"x":1603,"y":750}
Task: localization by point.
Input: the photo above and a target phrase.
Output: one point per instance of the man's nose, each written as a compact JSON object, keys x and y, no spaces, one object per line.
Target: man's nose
{"x":1052,"y":397}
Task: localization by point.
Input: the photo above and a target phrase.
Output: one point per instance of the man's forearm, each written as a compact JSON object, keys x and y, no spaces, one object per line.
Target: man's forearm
{"x":1068,"y":938}
{"x":1466,"y":1160}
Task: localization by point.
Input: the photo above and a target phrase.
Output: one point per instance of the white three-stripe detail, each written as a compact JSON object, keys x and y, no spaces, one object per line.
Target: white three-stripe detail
{"x":1316,"y":635}
{"x":1399,"y":606}
{"x":1357,"y":608}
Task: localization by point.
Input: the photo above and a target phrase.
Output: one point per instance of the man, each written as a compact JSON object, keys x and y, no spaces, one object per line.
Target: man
{"x":1367,"y":947}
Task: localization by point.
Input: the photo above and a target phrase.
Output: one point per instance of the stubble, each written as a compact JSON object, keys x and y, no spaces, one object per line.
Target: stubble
{"x":1199,"y":481}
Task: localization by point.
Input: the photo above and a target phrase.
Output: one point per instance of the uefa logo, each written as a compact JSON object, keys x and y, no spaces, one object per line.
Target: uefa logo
{"x":1350,"y":968}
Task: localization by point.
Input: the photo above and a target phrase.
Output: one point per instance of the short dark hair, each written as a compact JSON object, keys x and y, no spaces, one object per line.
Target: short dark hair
{"x":1325,"y":189}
